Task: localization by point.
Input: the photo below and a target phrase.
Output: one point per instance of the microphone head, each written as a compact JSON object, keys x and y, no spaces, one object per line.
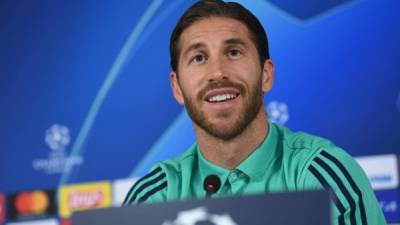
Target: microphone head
{"x":211,"y":184}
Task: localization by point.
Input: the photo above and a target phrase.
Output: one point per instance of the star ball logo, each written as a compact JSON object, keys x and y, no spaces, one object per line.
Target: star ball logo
{"x":200,"y":215}
{"x":278,"y":112}
{"x":57,"y":138}
{"x":31,"y":204}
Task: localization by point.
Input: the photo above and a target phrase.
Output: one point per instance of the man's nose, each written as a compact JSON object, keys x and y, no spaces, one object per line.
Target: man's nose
{"x":217,"y":70}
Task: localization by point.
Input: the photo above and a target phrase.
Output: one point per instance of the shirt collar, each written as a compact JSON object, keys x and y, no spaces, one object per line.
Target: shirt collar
{"x":257,"y":162}
{"x":207,"y":168}
{"x":254,"y":166}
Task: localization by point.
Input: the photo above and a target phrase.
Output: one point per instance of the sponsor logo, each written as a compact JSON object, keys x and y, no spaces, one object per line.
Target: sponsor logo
{"x":37,"y":222}
{"x":200,"y":214}
{"x":381,"y":170}
{"x":2,"y":208}
{"x":381,"y":178}
{"x":84,"y":196}
{"x":278,"y":112}
{"x":390,"y":204}
{"x":31,"y":205}
{"x":57,"y":138}
{"x":85,"y":199}
{"x":120,"y":189}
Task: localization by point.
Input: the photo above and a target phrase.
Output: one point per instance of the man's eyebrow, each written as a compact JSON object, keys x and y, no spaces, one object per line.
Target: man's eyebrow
{"x":235,"y":41}
{"x":231,"y":41}
{"x":192,"y":47}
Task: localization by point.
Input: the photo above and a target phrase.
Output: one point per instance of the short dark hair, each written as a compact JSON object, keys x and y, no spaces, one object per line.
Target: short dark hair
{"x":209,"y":8}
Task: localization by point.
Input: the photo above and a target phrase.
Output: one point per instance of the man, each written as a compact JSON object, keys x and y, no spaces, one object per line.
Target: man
{"x":221,"y":69}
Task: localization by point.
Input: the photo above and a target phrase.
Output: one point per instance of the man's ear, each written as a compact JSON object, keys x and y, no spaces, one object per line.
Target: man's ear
{"x":176,"y":88}
{"x":267,"y":75}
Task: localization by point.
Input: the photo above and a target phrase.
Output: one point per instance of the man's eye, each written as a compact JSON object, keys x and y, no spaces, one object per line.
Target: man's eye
{"x":234,"y":53}
{"x":198,"y":59}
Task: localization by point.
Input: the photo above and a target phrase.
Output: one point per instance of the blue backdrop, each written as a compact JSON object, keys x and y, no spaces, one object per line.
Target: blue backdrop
{"x":84,"y":89}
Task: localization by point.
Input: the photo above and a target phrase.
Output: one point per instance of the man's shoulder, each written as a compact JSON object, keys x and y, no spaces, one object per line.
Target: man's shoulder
{"x":185,"y":159}
{"x":303,"y":143}
{"x":163,"y":176}
{"x":303,"y":148}
{"x":301,"y":140}
{"x":316,"y":156}
{"x":319,"y":164}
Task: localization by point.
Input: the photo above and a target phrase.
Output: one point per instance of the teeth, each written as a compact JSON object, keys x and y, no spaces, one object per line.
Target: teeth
{"x":223,"y":97}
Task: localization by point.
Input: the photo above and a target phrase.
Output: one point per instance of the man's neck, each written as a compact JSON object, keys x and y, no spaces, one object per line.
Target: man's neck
{"x":229,"y":154}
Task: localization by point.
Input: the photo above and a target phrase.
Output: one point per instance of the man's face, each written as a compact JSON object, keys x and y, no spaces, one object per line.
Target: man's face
{"x":220,"y":80}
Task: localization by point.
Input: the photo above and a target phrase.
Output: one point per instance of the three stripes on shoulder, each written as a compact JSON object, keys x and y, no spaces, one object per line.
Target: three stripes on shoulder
{"x":331,"y":173}
{"x":145,"y":187}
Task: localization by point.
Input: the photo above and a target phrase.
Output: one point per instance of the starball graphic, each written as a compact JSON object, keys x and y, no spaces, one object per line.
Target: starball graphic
{"x":200,"y":215}
{"x":57,"y":138}
{"x":278,"y":112}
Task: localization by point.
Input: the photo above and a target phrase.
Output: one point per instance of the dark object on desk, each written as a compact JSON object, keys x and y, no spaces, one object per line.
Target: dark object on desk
{"x":301,"y":208}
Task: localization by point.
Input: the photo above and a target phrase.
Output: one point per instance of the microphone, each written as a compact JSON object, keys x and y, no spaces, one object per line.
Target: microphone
{"x":211,"y":185}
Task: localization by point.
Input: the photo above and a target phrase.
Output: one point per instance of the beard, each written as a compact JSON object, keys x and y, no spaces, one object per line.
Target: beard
{"x":252,"y":101}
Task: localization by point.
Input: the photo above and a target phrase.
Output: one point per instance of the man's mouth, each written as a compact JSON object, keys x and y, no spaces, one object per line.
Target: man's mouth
{"x":222,"y":97}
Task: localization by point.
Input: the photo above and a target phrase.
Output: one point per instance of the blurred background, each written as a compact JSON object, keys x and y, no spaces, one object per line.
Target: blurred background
{"x":86,"y":106}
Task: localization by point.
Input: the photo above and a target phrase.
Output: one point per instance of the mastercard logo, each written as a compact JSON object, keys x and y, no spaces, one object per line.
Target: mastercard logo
{"x":35,"y":202}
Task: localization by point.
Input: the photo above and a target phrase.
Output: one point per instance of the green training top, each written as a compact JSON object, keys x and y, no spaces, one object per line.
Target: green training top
{"x":285,"y":161}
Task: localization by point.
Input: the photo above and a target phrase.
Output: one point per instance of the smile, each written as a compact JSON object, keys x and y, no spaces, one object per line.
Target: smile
{"x":222,"y":98}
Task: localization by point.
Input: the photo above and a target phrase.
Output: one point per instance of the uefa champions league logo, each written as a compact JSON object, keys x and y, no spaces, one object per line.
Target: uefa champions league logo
{"x":278,"y":112}
{"x":200,"y":214}
{"x":57,"y":137}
